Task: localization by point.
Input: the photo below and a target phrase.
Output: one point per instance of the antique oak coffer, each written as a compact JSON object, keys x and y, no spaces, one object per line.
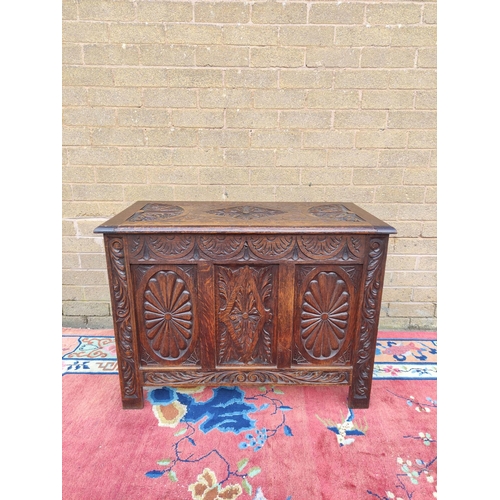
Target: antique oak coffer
{"x":207,"y":293}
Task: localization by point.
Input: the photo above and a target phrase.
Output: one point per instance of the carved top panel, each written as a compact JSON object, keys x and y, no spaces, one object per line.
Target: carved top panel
{"x":247,"y":218}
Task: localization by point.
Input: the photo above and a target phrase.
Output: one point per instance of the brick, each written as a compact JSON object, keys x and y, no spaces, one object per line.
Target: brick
{"x":94,"y":156}
{"x":300,"y":193}
{"x":427,"y":58}
{"x":415,"y":246}
{"x":382,"y":57}
{"x":222,"y":56}
{"x":136,"y":33}
{"x":377,"y":177}
{"x":106,"y":10}
{"x":283,"y":57}
{"x":430,"y":14}
{"x":362,"y":36}
{"x":325,"y":176}
{"x":78,"y":174}
{"x":429,"y":324}
{"x":84,"y":32}
{"x":173,"y":175}
{"x":121,"y":175}
{"x":67,"y":192}
{"x":85,"y":228}
{"x":173,"y":137}
{"x":328,"y":139}
{"x":333,"y":99}
{"x":69,"y":9}
{"x":156,"y":12}
{"x":275,"y":138}
{"x":85,"y":308}
{"x":399,"y":194}
{"x":307,"y":35}
{"x":433,"y":162}
{"x":72,"y":54}
{"x":426,"y":99}
{"x":74,"y":322}
{"x":279,"y":13}
{"x":147,"y":192}
{"x":95,"y":192}
{"x":73,"y":293}
{"x":402,"y":262}
{"x":145,"y":156}
{"x":411,"y":119}
{"x":422,"y":139}
{"x":93,"y":261}
{"x":100,"y":322}
{"x":74,"y":96}
{"x":306,"y":79}
{"x":279,"y":99}
{"x":250,"y":157}
{"x":169,"y":98}
{"x":198,"y":156}
{"x":425,"y":295}
{"x":417,"y":212}
{"x":253,"y":78}
{"x":109,"y":136}
{"x":89,"y":116}
{"x":422,"y":176}
{"x":431,"y":195}
{"x":361,"y":79}
{"x":92,"y":209}
{"x":404,"y":158}
{"x":413,"y":36}
{"x":203,"y":193}
{"x":352,"y":158}
{"x":223,"y":12}
{"x":225,"y":98}
{"x":387,"y":99}
{"x":234,"y":194}
{"x":250,"y":35}
{"x":68,"y":228}
{"x":332,"y":57}
{"x":415,"y":279}
{"x":96,"y":293}
{"x":143,"y":117}
{"x":75,"y":136}
{"x":301,"y":158}
{"x":274,"y":176}
{"x":87,"y":76}
{"x":140,"y":77}
{"x":113,"y":55}
{"x":305,"y":119}
{"x":116,"y":97}
{"x":343,"y":13}
{"x":398,"y":324}
{"x":224,"y":175}
{"x":404,"y":310}
{"x":192,"y":78}
{"x":79,"y":245}
{"x":353,"y":194}
{"x":429,"y":230}
{"x":426,"y":263}
{"x":398,"y":13}
{"x":412,"y":79}
{"x":393,"y":294}
{"x":198,"y":118}
{"x":385,"y":211}
{"x":193,"y":34}
{"x":168,"y":55}
{"x":84,"y":277}
{"x":381,"y":139}
{"x":360,"y":119}
{"x":236,"y":118}
{"x":224,"y":138}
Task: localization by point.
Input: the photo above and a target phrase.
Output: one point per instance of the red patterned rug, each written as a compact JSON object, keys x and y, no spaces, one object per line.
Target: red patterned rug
{"x":274,"y":443}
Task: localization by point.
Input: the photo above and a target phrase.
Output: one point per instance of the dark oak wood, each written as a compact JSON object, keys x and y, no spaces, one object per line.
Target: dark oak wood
{"x":246,"y":293}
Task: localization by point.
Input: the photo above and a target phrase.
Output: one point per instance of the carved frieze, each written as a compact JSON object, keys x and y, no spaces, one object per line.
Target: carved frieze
{"x":156,"y":212}
{"x":245,"y":212}
{"x":335,"y":211}
{"x":152,"y":247}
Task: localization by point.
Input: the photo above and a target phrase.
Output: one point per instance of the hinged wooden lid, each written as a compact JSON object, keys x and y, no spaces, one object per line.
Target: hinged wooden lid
{"x":243,"y":217}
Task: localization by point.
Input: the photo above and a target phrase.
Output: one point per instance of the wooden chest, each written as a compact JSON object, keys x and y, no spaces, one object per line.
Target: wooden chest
{"x":207,"y":293}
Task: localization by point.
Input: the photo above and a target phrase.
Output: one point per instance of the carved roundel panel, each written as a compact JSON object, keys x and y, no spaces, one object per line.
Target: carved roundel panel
{"x":324,"y":312}
{"x":168,"y":317}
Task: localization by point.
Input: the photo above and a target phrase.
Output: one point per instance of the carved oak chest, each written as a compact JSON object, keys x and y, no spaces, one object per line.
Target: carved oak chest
{"x":207,"y":293}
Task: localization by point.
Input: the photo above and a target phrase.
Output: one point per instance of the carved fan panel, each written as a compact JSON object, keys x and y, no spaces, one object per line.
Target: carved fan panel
{"x":246,"y":310}
{"x":168,"y":332}
{"x":323,"y":325}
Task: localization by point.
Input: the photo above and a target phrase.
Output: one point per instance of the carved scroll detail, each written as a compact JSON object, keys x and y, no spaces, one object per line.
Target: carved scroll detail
{"x":345,"y":248}
{"x":245,"y":212}
{"x":156,"y":211}
{"x":178,"y":378}
{"x":221,"y":246}
{"x":270,"y":247}
{"x":369,"y":315}
{"x":150,"y":248}
{"x":336,"y":212}
{"x":122,"y":320}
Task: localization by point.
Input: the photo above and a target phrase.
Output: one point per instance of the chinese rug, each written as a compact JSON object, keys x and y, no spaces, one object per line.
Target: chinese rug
{"x":257,"y":443}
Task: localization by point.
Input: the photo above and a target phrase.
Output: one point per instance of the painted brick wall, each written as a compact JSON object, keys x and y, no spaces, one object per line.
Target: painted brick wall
{"x":255,"y":101}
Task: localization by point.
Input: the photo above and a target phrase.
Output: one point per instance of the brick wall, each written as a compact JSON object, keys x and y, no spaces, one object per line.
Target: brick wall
{"x":255,"y":101}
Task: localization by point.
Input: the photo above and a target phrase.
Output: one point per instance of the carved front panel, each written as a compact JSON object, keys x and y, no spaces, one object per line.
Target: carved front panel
{"x":324,"y":318}
{"x":167,"y":315}
{"x":246,"y":310}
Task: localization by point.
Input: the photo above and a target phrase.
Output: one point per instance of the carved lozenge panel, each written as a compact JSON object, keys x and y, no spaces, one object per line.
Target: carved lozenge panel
{"x":246,"y":304}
